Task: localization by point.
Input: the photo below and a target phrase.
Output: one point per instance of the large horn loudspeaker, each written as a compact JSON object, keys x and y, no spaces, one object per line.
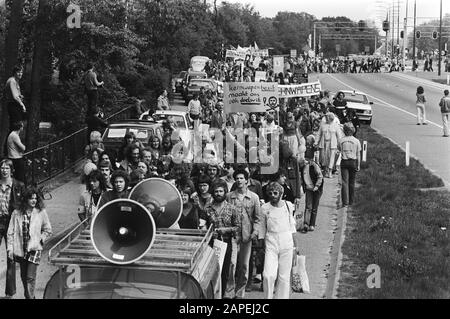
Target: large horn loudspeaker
{"x":123,"y":231}
{"x":161,"y":198}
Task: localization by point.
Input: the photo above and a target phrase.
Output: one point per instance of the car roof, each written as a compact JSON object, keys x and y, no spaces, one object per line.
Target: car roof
{"x":170,"y":112}
{"x":134,"y":124}
{"x":351,"y":92}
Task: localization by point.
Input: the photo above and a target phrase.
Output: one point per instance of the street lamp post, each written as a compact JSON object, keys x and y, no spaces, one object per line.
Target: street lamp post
{"x":414,"y":38}
{"x":440,"y":42}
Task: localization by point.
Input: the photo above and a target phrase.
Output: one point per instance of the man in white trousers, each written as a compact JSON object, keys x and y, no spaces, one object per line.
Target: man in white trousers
{"x":278,"y":227}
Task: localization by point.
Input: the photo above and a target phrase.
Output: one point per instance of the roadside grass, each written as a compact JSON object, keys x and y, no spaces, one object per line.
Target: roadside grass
{"x":395,"y":225}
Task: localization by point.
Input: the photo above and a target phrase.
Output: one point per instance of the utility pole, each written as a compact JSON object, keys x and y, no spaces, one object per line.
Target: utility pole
{"x":393,"y":29}
{"x":440,"y":42}
{"x":405,"y":30}
{"x":414,"y":38}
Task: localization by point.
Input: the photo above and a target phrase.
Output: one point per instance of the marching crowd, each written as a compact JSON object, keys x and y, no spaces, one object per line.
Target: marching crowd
{"x":251,"y":211}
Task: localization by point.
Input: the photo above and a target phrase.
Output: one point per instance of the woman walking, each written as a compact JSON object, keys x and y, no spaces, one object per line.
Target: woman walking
{"x":28,"y":230}
{"x":420,"y":104}
{"x":329,"y":135}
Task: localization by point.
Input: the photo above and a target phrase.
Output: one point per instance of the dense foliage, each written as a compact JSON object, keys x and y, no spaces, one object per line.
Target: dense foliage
{"x":136,"y":46}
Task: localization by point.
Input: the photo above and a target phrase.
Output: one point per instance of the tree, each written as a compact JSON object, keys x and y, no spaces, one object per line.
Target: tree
{"x":40,"y":58}
{"x":11,"y":54}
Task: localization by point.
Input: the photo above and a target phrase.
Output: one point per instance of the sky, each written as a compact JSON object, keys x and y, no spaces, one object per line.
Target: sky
{"x":354,"y":9}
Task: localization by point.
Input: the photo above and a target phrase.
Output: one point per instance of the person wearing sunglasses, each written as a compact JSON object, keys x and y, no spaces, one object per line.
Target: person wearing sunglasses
{"x":277,"y":227}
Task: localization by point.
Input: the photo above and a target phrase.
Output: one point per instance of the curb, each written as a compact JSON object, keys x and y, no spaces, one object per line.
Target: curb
{"x":446,"y":183}
{"x":336,"y":249}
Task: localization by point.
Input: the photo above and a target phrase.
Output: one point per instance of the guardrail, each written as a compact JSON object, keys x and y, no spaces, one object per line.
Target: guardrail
{"x":46,"y":162}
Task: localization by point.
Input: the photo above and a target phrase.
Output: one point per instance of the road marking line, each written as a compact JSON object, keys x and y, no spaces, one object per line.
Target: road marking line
{"x":384,"y":102}
{"x":424,"y":82}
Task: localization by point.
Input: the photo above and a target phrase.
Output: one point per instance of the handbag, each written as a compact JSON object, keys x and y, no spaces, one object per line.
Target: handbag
{"x":299,"y":280}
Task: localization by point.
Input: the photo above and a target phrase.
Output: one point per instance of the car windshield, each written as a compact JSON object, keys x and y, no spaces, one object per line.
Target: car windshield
{"x":356,"y":98}
{"x":177,"y":119}
{"x":118,"y":133}
{"x":206,"y":84}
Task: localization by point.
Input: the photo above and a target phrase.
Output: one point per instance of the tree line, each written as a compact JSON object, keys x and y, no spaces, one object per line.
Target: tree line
{"x":136,"y":45}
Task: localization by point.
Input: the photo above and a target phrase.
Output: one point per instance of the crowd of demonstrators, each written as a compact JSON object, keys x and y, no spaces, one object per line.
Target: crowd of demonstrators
{"x":228,"y":190}
{"x":25,"y":226}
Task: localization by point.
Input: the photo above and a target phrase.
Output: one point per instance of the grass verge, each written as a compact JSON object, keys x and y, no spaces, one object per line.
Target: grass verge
{"x":396,"y":226}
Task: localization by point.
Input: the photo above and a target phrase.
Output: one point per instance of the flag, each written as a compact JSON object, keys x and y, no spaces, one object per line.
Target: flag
{"x":256,"y":47}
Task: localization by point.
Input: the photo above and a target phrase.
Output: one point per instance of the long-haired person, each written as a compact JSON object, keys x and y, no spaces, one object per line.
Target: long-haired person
{"x":28,"y":230}
{"x":420,"y":104}
{"x":120,"y":181}
{"x":96,"y":186}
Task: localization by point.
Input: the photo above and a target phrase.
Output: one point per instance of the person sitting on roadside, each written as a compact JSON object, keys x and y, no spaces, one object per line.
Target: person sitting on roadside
{"x":120,"y":181}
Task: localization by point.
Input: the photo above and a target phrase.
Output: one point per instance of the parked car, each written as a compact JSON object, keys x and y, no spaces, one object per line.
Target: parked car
{"x":191,"y":75}
{"x":178,"y":81}
{"x":143,"y":130}
{"x":183,"y":123}
{"x":195,"y":85}
{"x":359,"y":102}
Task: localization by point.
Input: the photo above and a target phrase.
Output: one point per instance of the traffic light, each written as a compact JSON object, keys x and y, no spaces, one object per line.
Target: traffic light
{"x":362,"y":25}
{"x":402,"y":34}
{"x":385,"y":26}
{"x":417,"y":34}
{"x":435,"y":35}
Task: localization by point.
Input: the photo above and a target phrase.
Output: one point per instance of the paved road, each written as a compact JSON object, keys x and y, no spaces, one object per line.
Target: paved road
{"x":395,"y":113}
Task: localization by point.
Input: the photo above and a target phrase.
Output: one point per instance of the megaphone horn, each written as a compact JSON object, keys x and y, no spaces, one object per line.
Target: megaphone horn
{"x":161,"y":198}
{"x":123,"y":231}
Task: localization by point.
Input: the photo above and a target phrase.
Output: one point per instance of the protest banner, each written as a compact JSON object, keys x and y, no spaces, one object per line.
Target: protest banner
{"x":278,"y":64}
{"x":250,"y":96}
{"x":299,"y":90}
{"x":236,"y":54}
{"x":260,"y":75}
{"x":293,"y":53}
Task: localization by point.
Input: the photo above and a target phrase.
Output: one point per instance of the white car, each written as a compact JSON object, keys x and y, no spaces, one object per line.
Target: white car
{"x":184,"y":124}
{"x":359,"y":102}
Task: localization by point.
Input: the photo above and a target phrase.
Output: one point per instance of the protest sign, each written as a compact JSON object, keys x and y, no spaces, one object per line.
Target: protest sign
{"x":260,"y":75}
{"x":299,"y":90}
{"x":236,"y":54}
{"x":278,"y":64}
{"x":250,"y":96}
{"x":293,"y":53}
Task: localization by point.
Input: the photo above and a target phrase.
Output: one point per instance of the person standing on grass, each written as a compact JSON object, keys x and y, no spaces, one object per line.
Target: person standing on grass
{"x":16,"y":150}
{"x":28,"y":231}
{"x":420,"y":104}
{"x":350,"y":148}
{"x":445,"y":111}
